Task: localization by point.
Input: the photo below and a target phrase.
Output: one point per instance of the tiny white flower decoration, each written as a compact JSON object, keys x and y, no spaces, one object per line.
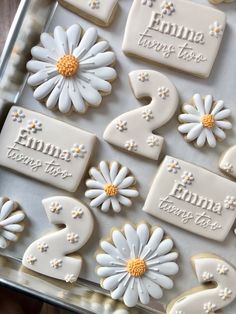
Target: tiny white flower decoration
{"x":167,"y":7}
{"x":204,"y":120}
{"x":42,"y":247}
{"x":110,"y":186}
{"x":78,"y":151}
{"x":227,"y":167}
{"x":163,"y":92}
{"x":34,"y":126}
{"x":230,"y":202}
{"x":136,"y":258}
{"x":77,"y":213}
{"x":173,"y":166}
{"x":11,"y":219}
{"x":209,"y":307}
{"x":121,"y":126}
{"x":206,"y":276}
{"x":148,"y":2}
{"x":222,"y":269}
{"x":153,"y":140}
{"x":225,"y":294}
{"x":65,"y":74}
{"x":187,"y":178}
{"x":147,"y":114}
{"x":131,"y":145}
{"x":56,"y":263}
{"x":216,"y":29}
{"x":72,"y":237}
{"x":31,"y":259}
{"x":94,"y":4}
{"x":143,"y":77}
{"x":55,"y":207}
{"x":70,"y":278}
{"x":17,"y":115}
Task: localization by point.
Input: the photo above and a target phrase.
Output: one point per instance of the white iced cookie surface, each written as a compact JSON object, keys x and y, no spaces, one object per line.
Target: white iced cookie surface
{"x":171,"y":33}
{"x":100,"y":12}
{"x":11,"y":222}
{"x":111,"y":186}
{"x":228,"y":161}
{"x":30,"y":145}
{"x":133,"y":131}
{"x":137,"y":264}
{"x":48,"y":255}
{"x":207,"y":299}
{"x":71,"y":69}
{"x":204,"y":120}
{"x":193,"y":199}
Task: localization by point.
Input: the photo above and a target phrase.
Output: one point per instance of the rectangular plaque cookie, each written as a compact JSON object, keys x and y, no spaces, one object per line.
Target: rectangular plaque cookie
{"x":44,"y":148}
{"x":180,"y":34}
{"x":193,"y":198}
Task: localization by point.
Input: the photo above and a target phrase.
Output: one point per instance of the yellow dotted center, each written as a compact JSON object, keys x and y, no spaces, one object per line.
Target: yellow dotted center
{"x":67,"y":65}
{"x":110,"y":189}
{"x":32,"y":125}
{"x":136,"y":267}
{"x":208,"y":120}
{"x":77,"y":150}
{"x":16,"y":114}
{"x":217,"y":29}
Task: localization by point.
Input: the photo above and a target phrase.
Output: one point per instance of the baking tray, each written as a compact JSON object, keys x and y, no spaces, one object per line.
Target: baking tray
{"x":35,"y":16}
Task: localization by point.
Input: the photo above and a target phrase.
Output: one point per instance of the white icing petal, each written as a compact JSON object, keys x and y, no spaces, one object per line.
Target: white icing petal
{"x":168,"y":269}
{"x":223,"y":114}
{"x":131,"y":295}
{"x":115,"y":205}
{"x":188,"y":118}
{"x":73,"y":36}
{"x":104,"y":73}
{"x":35,"y":66}
{"x":61,"y":40}
{"x":154,"y":289}
{"x":121,"y":176}
{"x":54,"y":96}
{"x":98,"y":200}
{"x":219,"y":133}
{"x":110,"y":283}
{"x":190,"y":109}
{"x":76,"y":98}
{"x":99,"y":47}
{"x":128,"y":192}
{"x":143,"y":233}
{"x":121,"y":243}
{"x":201,"y":140}
{"x":124,"y":201}
{"x":210,"y":138}
{"x":208,"y":103}
{"x":64,"y":103}
{"x":126,"y":182}
{"x":106,"y":205}
{"x":90,"y":95}
{"x":185,"y":128}
{"x":49,"y":43}
{"x":96,"y":82}
{"x":88,"y":40}
{"x":218,"y":107}
{"x":44,"y":89}
{"x":194,"y":132}
{"x":132,"y":239}
{"x":118,"y":292}
{"x":142,"y":292}
{"x":105,"y":171}
{"x":100,"y":60}
{"x":224,"y":124}
{"x":94,"y":184}
{"x":43,"y":54}
{"x":162,"y":280}
{"x":199,"y":103}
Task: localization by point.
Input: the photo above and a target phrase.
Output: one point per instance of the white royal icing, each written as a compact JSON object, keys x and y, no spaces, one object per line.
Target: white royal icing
{"x":193,"y":199}
{"x":204,"y":120}
{"x":208,"y":299}
{"x":11,"y":219}
{"x":133,"y":131}
{"x":91,"y":79}
{"x":100,"y":12}
{"x":31,"y":146}
{"x":227,"y":161}
{"x":48,"y":255}
{"x":110,"y":186}
{"x":171,"y":33}
{"x":220,"y":1}
{"x":137,"y":264}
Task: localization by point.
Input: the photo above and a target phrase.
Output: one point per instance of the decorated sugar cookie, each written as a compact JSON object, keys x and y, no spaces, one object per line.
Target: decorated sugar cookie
{"x":136,"y":264}
{"x":48,"y":255}
{"x":204,"y":120}
{"x":100,"y":12}
{"x":30,"y":145}
{"x":218,"y":287}
{"x":111,"y":186}
{"x":11,"y":222}
{"x":71,"y":70}
{"x":133,"y":131}
{"x":228,"y":162}
{"x":193,"y":199}
{"x":171,"y":33}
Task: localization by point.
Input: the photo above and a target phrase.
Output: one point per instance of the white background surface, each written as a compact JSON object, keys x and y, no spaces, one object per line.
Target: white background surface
{"x":221,"y":83}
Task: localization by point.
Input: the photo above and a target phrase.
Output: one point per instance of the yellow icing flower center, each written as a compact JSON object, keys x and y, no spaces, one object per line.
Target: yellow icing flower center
{"x":217,"y":29}
{"x":77,"y":150}
{"x":208,"y":120}
{"x":136,"y":267}
{"x":32,"y":125}
{"x":110,"y":189}
{"x":67,"y":65}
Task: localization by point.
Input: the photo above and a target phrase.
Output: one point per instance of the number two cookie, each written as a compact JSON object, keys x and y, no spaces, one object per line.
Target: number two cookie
{"x":133,"y":131}
{"x":48,"y":255}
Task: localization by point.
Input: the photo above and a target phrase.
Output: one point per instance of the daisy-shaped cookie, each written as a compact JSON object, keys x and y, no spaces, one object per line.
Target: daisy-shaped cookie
{"x":10,"y":222}
{"x":136,"y":264}
{"x":71,"y":69}
{"x":110,"y":186}
{"x":204,"y":120}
